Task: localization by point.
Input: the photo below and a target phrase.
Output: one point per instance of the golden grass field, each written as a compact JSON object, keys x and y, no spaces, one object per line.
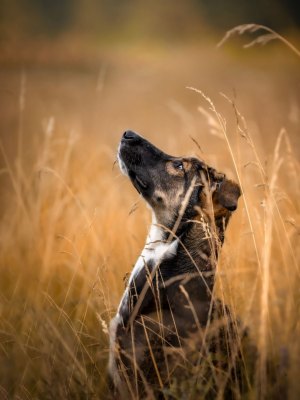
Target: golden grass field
{"x":72,"y":226}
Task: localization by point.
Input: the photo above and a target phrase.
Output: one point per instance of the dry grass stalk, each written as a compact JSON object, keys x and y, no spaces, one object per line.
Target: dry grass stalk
{"x":261,"y":39}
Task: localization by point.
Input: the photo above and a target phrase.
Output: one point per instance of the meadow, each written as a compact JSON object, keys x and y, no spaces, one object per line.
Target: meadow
{"x":72,"y":226}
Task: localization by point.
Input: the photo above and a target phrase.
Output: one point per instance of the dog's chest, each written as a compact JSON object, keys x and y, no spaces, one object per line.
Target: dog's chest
{"x":155,"y":251}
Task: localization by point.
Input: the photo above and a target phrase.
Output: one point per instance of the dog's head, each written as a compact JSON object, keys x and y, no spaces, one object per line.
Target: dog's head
{"x":167,"y":182}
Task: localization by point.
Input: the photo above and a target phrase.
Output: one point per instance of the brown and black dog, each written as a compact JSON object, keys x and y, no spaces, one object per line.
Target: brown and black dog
{"x":169,"y":327}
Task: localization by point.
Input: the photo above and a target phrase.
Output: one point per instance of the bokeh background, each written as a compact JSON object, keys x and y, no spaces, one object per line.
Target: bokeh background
{"x":73,"y":76}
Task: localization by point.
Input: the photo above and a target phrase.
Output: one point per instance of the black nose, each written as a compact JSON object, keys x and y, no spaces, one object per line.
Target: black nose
{"x":131,"y":136}
{"x":232,"y":207}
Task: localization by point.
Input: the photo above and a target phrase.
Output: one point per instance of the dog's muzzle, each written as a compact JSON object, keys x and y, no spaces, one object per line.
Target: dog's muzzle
{"x":131,"y":160}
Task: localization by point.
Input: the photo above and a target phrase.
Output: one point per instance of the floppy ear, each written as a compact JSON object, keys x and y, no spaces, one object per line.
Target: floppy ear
{"x":227,"y":194}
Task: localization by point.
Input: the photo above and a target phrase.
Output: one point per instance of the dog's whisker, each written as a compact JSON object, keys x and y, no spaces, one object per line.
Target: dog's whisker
{"x":114,"y":164}
{"x":133,"y":208}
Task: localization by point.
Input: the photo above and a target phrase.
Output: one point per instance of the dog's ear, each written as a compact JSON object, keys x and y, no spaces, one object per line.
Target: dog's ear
{"x":227,"y":194}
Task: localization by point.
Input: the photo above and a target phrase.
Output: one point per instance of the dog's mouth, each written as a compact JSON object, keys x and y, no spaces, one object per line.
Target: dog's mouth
{"x":139,"y":183}
{"x":130,"y":157}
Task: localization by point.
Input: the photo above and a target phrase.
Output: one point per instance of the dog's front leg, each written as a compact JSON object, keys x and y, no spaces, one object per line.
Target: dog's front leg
{"x":122,"y":340}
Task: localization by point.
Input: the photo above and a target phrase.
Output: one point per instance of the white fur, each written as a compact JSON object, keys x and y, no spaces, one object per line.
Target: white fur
{"x":113,"y":352}
{"x":154,"y":250}
{"x":122,"y":165}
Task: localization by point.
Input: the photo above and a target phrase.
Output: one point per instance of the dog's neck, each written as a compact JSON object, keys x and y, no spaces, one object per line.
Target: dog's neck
{"x":190,"y":251}
{"x":193,"y":247}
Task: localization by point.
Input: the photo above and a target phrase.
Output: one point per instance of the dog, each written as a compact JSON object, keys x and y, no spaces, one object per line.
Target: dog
{"x":169,"y":328}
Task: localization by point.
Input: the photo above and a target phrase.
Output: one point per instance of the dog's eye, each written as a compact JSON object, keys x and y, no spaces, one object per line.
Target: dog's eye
{"x":178,"y":165}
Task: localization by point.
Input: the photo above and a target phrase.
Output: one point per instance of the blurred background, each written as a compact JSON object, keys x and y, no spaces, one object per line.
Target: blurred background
{"x":74,"y":75}
{"x":122,"y":21}
{"x":78,"y":59}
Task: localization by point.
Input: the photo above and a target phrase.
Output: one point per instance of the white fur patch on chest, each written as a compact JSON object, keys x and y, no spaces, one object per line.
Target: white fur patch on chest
{"x":155,"y":250}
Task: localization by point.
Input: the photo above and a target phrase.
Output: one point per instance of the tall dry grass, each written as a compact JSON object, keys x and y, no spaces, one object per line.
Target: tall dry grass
{"x":72,"y":226}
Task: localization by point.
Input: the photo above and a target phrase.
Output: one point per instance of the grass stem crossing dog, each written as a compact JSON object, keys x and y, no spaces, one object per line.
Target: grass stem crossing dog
{"x":169,"y":329}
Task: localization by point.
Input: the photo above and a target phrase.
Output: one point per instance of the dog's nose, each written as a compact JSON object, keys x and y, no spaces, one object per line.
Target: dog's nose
{"x":131,"y":136}
{"x":232,"y":207}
